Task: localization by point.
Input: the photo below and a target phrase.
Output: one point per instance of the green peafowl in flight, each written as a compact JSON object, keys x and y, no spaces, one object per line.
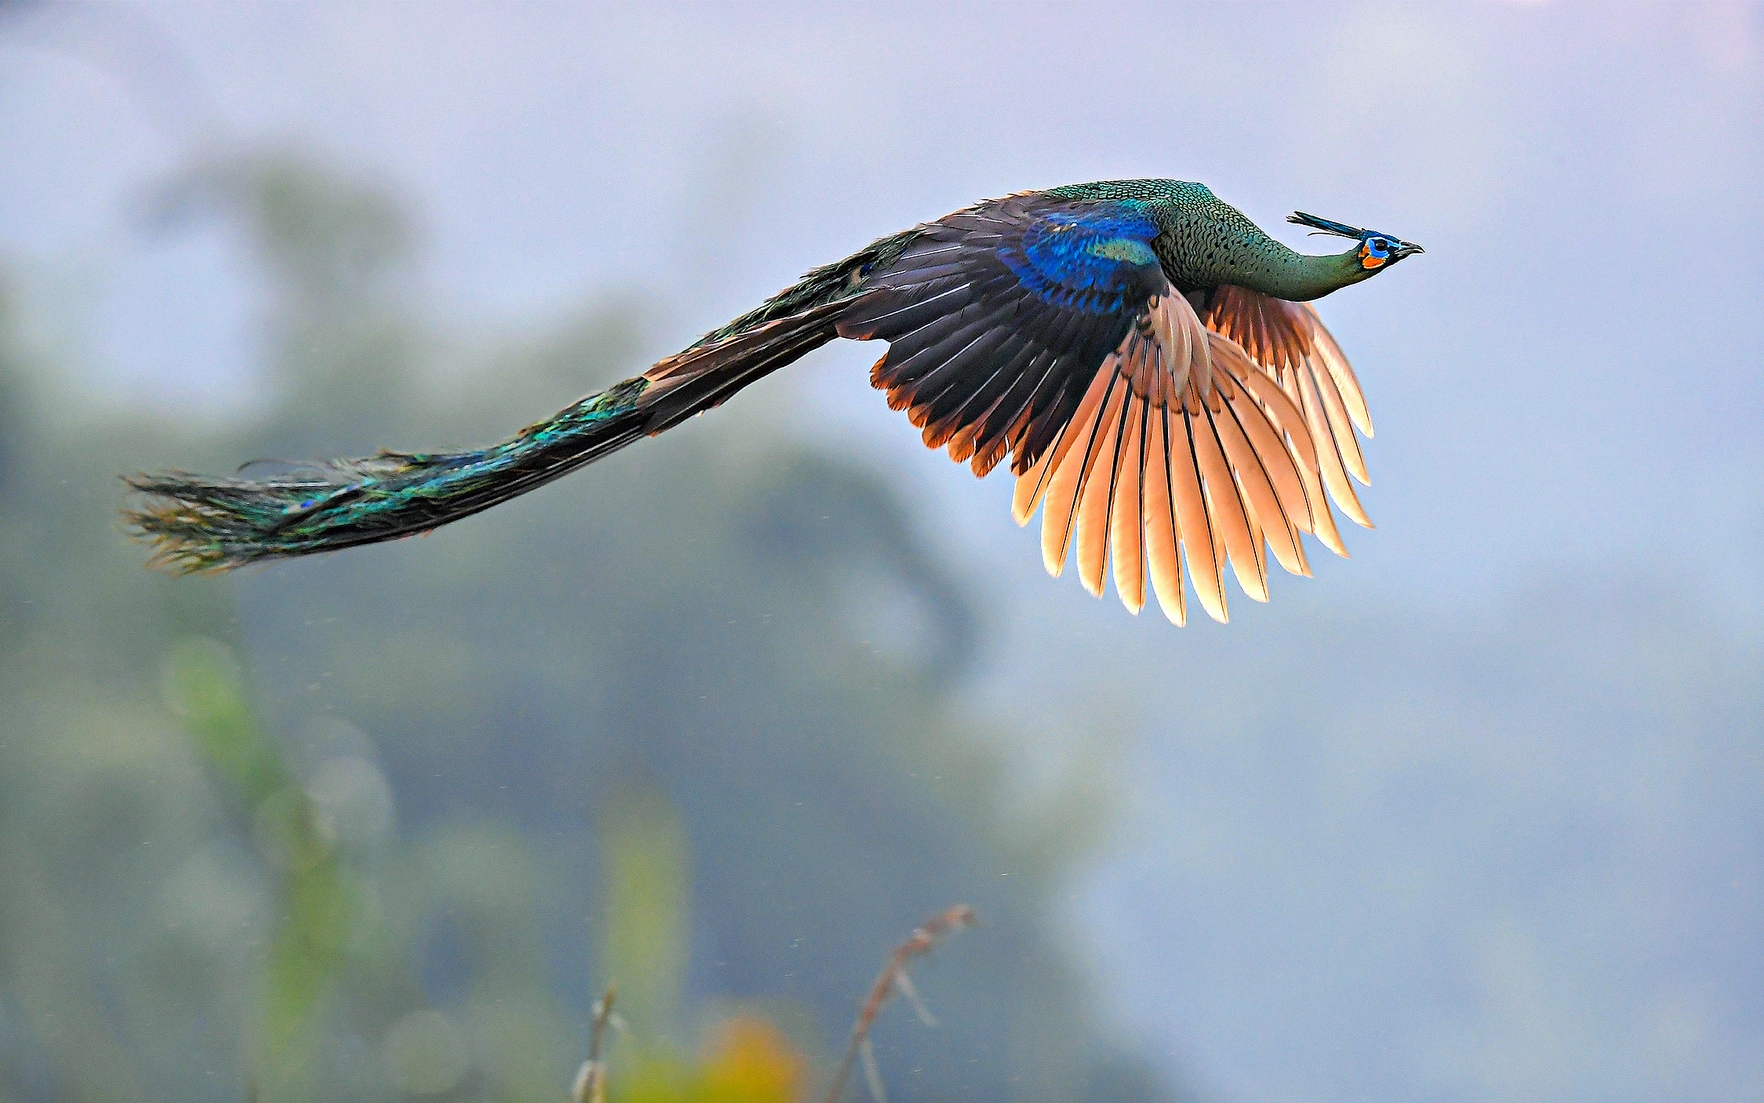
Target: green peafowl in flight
{"x":1145,"y":355}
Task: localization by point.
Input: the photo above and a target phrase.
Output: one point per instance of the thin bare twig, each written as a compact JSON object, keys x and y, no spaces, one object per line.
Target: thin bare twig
{"x":892,"y":979}
{"x":590,"y":1086}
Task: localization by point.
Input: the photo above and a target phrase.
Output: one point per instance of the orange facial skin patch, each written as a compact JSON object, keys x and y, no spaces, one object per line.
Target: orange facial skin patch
{"x":1367,"y":260}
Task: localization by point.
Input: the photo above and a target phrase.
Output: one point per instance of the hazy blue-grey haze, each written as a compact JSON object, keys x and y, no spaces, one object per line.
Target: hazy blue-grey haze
{"x":1474,"y":815}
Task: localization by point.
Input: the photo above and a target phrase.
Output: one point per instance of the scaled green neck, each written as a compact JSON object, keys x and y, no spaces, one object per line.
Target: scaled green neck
{"x":1273,"y":269}
{"x":1207,"y":242}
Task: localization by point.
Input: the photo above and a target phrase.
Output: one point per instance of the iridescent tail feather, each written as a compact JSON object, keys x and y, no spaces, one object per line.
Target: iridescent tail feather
{"x":197,"y":523}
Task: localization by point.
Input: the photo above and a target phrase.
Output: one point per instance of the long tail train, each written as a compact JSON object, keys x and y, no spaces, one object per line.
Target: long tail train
{"x":199,"y":524}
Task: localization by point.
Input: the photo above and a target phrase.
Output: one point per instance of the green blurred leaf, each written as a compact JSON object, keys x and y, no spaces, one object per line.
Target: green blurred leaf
{"x":644,"y":894}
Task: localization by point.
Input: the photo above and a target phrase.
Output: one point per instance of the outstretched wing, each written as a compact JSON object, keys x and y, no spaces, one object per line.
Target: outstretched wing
{"x":998,"y":316}
{"x":1288,"y":341}
{"x":1183,"y":449}
{"x":1047,"y":330}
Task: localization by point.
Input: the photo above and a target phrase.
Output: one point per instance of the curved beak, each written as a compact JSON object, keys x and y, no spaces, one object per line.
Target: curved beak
{"x":1406,"y":249}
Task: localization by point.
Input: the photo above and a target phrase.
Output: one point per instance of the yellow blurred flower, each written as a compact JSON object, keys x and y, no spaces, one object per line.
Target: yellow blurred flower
{"x":750,"y":1061}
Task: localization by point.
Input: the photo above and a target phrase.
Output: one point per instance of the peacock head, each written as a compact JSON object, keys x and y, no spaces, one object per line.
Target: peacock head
{"x":1376,"y":250}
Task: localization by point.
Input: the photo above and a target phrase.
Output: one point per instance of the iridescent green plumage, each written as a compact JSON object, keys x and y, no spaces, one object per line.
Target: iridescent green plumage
{"x":203,"y":524}
{"x":999,"y":318}
{"x":1204,"y":242}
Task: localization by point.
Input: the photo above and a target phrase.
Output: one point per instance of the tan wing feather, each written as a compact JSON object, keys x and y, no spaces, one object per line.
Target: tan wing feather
{"x":1205,"y":564}
{"x":1282,"y":404}
{"x":1072,"y":471}
{"x":1221,"y":554}
{"x":1322,"y":517}
{"x":1257,"y":535}
{"x":1127,"y":515}
{"x":1328,"y":454}
{"x":1099,"y":496}
{"x":1336,"y":363}
{"x":1032,"y":485}
{"x":1268,"y":520}
{"x":1278,"y":464}
{"x":1271,"y":452}
{"x":1339,"y":427}
{"x":1227,"y":508}
{"x":1282,"y":410}
{"x":1162,"y":552}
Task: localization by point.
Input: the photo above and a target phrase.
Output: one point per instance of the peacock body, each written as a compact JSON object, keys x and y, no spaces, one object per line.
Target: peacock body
{"x":1145,"y":356}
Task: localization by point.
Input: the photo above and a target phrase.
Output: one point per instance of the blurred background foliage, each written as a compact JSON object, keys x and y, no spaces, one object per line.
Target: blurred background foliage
{"x":377,"y":826}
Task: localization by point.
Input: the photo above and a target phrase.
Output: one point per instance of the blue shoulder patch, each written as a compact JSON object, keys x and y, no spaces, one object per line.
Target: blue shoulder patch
{"x":1090,"y":260}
